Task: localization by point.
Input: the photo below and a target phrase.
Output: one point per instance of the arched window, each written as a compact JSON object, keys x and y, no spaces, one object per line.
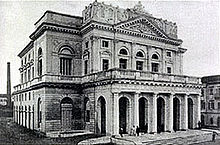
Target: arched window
{"x":123,"y":52}
{"x":39,"y":62}
{"x":139,"y":54}
{"x":155,"y":56}
{"x":65,"y":61}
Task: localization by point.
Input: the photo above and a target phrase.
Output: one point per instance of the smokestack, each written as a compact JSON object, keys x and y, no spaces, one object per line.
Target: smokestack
{"x":9,"y":83}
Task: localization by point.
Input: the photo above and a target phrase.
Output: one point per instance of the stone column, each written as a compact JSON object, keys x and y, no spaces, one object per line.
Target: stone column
{"x":170,"y":121}
{"x":185,"y":112}
{"x":154,"y":114}
{"x":115,"y":118}
{"x":136,"y":109}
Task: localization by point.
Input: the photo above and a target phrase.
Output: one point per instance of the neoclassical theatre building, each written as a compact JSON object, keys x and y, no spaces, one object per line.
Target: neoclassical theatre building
{"x":111,"y":68}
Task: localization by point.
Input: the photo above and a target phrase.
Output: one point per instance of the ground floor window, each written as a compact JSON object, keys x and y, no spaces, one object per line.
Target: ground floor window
{"x":155,"y":67}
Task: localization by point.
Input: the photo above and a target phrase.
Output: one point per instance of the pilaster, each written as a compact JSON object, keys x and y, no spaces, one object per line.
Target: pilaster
{"x":153,"y":125}
{"x":136,"y":109}
{"x":185,"y":112}
{"x":115,"y":118}
{"x":170,"y":119}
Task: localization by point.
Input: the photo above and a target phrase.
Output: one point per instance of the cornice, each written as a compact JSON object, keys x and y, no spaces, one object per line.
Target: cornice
{"x":53,"y":27}
{"x":101,"y":26}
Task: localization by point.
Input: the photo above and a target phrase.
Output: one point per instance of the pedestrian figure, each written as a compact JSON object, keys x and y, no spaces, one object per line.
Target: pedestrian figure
{"x":133,"y":130}
{"x":146,"y":128}
{"x":137,"y":130}
{"x":121,"y":132}
{"x":213,"y":136}
{"x":199,"y":124}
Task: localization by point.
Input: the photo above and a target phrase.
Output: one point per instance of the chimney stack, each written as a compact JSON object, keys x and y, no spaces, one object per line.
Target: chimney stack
{"x":9,"y":83}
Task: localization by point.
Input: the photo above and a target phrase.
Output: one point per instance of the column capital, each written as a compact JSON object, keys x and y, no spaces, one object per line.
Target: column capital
{"x":137,"y":92}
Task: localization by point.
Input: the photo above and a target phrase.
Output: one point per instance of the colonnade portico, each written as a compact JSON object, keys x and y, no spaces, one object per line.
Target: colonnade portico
{"x":166,"y":120}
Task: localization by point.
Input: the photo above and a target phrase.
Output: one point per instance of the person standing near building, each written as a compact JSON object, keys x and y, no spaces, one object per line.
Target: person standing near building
{"x":137,"y":130}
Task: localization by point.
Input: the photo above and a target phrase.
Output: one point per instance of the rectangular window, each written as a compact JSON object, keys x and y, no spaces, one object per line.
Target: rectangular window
{"x":29,"y":57}
{"x":169,"y":54}
{"x":86,"y":67}
{"x":22,"y":79}
{"x":211,"y":91}
{"x":139,"y":65}
{"x":32,"y":72}
{"x":25,"y":76}
{"x":65,"y":66}
{"x":87,"y":44}
{"x":29,"y":75}
{"x":212,"y":105}
{"x":105,"y":64}
{"x":105,"y":43}
{"x":87,"y":116}
{"x":123,"y":63}
{"x":25,"y":96}
{"x":29,"y":96}
{"x":25,"y":60}
{"x":22,"y":63}
{"x":155,"y":67}
{"x":40,"y":67}
{"x":218,"y":105}
{"x":169,"y":70}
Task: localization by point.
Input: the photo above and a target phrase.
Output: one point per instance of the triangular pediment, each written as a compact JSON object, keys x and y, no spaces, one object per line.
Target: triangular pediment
{"x":141,"y":25}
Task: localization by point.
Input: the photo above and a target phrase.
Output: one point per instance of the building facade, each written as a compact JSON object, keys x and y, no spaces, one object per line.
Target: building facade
{"x":210,"y":101}
{"x":111,"y":68}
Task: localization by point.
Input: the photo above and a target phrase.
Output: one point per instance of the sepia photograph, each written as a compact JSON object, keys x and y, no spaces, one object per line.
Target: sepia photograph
{"x":93,"y":72}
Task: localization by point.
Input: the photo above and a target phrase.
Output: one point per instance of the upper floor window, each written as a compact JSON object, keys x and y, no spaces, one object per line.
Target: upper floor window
{"x":65,"y":61}
{"x":105,"y":43}
{"x":202,"y":104}
{"x":22,"y":63}
{"x":29,"y":57}
{"x":218,"y":105}
{"x":169,"y":70}
{"x":86,"y":67}
{"x":155,"y":67}
{"x":139,"y":54}
{"x":169,"y":53}
{"x":123,"y":52}
{"x":211,"y":120}
{"x":211,"y":91}
{"x":40,"y":63}
{"x":39,"y":52}
{"x":87,"y":44}
{"x":123,"y":63}
{"x":211,"y":105}
{"x":25,"y":60}
{"x":139,"y":65}
{"x":155,"y":56}
{"x":105,"y":64}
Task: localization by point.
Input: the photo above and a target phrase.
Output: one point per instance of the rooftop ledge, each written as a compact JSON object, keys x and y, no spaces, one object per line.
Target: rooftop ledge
{"x":112,"y":74}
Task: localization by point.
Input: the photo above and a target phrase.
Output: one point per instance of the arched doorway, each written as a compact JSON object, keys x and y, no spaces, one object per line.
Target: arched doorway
{"x":101,"y":115}
{"x":124,"y":114}
{"x":143,"y":114}
{"x":202,"y":120}
{"x":176,"y":114}
{"x":66,"y":113}
{"x":190,"y":113}
{"x":218,"y":122}
{"x":160,"y":115}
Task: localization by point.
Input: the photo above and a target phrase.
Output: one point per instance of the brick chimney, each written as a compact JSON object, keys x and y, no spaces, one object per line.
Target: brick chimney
{"x":9,"y":84}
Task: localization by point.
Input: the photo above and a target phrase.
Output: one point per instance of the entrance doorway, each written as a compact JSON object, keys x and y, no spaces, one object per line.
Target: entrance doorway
{"x":124,"y":114}
{"x":101,"y":115}
{"x":190,"y":113}
{"x":143,"y":114}
{"x":160,"y":115}
{"x":176,"y":114}
{"x":66,"y":113}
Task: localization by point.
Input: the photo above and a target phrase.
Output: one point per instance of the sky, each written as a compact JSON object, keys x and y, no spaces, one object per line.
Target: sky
{"x":197,"y":21}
